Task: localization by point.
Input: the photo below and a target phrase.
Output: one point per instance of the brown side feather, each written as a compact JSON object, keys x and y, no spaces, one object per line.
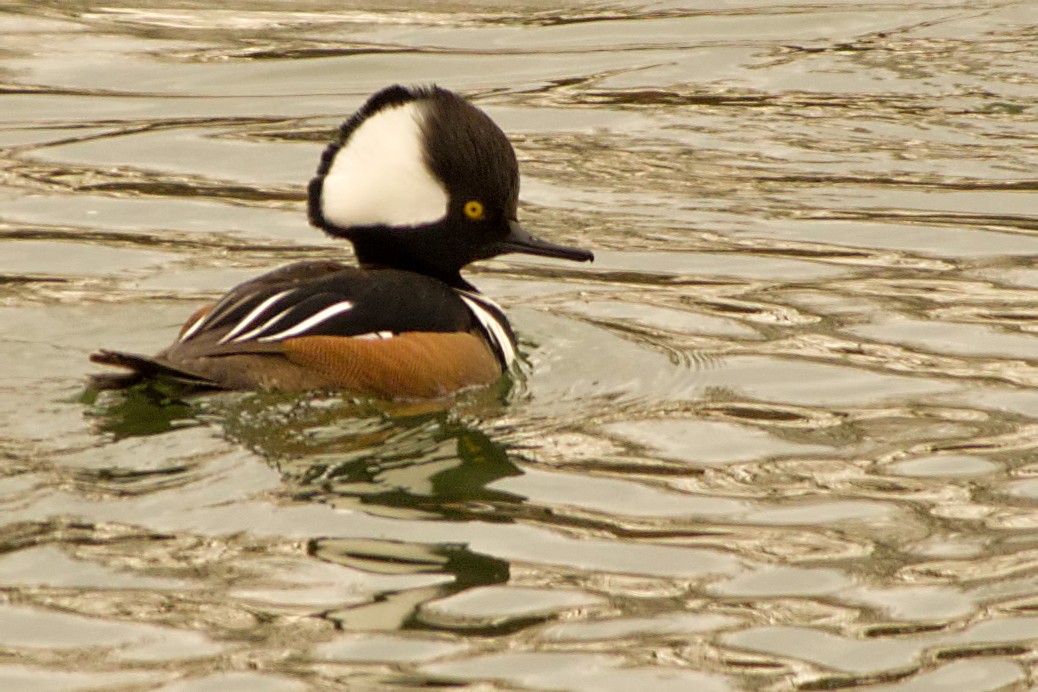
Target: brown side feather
{"x":411,"y":365}
{"x":415,"y":365}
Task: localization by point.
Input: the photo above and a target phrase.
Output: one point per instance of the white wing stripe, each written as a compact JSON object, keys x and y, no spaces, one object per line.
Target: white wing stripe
{"x":493,"y":327}
{"x":251,"y":317}
{"x":312,"y":321}
{"x":263,"y":327}
{"x":193,"y":328}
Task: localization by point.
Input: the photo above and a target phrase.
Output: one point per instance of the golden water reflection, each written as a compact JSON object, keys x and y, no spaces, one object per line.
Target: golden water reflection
{"x":780,"y":435}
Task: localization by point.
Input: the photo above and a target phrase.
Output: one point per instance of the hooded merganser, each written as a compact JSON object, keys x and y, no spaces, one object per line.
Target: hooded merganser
{"x":422,"y":183}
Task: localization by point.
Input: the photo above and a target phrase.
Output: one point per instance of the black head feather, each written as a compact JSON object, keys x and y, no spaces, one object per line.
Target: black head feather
{"x":462,"y":150}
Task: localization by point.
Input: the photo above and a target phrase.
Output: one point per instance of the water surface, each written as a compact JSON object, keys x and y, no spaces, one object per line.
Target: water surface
{"x":781,"y":435}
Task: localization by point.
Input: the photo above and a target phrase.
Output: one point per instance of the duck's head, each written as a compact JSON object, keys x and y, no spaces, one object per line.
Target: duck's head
{"x":420,"y":179}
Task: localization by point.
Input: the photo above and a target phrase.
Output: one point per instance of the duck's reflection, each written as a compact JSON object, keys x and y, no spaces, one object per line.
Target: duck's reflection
{"x":391,"y":457}
{"x":146,"y":409}
{"x":413,"y":462}
{"x":400,"y":609}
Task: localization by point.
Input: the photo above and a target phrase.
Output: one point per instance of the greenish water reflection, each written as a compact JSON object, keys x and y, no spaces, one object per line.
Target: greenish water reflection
{"x":408,"y":455}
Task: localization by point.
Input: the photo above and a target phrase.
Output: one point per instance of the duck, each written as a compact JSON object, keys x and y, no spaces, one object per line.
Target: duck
{"x":422,"y":183}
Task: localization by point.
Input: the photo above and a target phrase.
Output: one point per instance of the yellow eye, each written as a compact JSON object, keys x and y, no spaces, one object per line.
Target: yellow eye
{"x":474,"y":210}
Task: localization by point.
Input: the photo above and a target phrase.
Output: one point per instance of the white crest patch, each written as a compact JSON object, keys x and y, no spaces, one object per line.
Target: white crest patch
{"x":379,"y":177}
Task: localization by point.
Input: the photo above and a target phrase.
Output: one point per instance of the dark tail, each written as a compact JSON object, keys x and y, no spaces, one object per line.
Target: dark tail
{"x":141,"y":368}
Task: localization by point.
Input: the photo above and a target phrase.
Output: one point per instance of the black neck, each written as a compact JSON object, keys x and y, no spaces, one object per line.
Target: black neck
{"x":420,"y":250}
{"x":374,"y":258}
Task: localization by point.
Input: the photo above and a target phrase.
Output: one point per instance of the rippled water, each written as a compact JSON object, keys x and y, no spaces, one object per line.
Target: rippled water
{"x":780,"y":435}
